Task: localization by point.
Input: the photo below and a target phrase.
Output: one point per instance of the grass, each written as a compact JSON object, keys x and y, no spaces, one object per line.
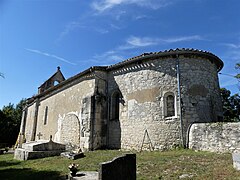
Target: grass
{"x":150,"y":165}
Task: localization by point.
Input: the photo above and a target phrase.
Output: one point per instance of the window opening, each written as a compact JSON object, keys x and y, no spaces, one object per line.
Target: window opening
{"x":46,"y":115}
{"x":170,"y":105}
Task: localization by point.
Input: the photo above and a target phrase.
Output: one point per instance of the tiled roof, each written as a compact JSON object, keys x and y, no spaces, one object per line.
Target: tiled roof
{"x":171,"y":52}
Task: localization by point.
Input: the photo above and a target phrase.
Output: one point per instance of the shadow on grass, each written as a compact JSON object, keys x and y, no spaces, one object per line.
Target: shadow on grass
{"x":28,"y":174}
{"x":6,"y":163}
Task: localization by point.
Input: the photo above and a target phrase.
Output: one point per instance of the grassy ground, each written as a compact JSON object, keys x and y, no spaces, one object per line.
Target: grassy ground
{"x":150,"y":165}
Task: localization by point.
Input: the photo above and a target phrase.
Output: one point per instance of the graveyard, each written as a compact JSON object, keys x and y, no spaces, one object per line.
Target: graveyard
{"x":172,"y":164}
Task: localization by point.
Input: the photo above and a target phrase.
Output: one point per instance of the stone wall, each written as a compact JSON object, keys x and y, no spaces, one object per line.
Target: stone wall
{"x":63,"y":105}
{"x":201,"y":100}
{"x":144,"y":87}
{"x":116,"y":105}
{"x":215,"y":137}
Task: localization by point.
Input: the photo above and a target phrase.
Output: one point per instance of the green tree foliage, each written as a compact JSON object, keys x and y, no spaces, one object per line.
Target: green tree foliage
{"x":10,"y":120}
{"x":238,"y":67}
{"x":231,"y":106}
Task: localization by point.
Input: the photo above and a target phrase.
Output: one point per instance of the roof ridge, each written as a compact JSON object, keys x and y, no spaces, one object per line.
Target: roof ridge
{"x":163,"y":52}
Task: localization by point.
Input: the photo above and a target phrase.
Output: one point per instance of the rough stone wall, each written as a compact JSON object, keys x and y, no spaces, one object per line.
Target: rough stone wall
{"x":142,"y":88}
{"x":201,"y":100}
{"x":70,"y":130}
{"x":215,"y":137}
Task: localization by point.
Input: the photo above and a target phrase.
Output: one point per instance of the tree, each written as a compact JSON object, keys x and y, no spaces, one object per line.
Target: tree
{"x":10,"y":120}
{"x":238,"y":75}
{"x":231,"y":105}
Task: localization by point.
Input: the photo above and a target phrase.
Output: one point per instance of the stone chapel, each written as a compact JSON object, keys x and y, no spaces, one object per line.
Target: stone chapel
{"x":154,"y":97}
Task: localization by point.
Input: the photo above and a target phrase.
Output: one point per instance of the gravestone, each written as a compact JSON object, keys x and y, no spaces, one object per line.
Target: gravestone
{"x":120,"y":168}
{"x":38,"y":149}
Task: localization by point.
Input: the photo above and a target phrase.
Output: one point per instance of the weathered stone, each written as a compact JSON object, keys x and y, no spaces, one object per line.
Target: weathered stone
{"x":215,"y":137}
{"x":39,"y":149}
{"x":72,"y":156}
{"x":236,"y":160}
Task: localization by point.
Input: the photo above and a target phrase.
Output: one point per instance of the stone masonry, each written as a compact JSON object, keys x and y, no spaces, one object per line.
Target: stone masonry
{"x":113,"y":106}
{"x":215,"y":137}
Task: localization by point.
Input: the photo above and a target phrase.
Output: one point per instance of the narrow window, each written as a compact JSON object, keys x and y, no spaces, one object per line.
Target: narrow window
{"x":46,"y":115}
{"x":115,"y":106}
{"x":170,"y":105}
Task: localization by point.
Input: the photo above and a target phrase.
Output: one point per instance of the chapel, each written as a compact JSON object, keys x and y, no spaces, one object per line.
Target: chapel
{"x":147,"y":101}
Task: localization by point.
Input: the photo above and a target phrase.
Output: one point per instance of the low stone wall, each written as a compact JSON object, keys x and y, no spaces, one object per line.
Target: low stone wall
{"x":215,"y":137}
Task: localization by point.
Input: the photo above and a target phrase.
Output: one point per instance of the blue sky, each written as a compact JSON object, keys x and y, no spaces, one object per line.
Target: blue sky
{"x":36,"y":36}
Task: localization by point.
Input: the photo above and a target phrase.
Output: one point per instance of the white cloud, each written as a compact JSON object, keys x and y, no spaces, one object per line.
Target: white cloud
{"x":68,"y":28}
{"x":231,"y":45}
{"x":113,"y":26}
{"x":104,"y":5}
{"x":137,"y":42}
{"x":49,"y":55}
{"x":138,"y":17}
{"x":109,"y":57}
{"x":183,"y":38}
{"x":232,"y":52}
{"x":142,"y":42}
{"x":102,"y":31}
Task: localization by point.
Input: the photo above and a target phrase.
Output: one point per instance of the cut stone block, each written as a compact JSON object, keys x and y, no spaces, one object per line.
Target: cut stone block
{"x":38,"y":149}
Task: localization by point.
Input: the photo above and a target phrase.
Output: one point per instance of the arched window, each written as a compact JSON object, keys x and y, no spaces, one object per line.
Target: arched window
{"x":115,"y":106}
{"x":170,"y":105}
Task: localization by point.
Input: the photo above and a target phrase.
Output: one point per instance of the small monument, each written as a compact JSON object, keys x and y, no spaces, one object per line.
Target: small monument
{"x":39,"y":149}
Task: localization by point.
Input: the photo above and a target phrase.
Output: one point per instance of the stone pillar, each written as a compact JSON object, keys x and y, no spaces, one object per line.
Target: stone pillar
{"x":23,"y":121}
{"x":22,"y":127}
{"x":35,"y":120}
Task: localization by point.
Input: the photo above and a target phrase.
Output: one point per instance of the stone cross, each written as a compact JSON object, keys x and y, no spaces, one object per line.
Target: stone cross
{"x":39,"y":135}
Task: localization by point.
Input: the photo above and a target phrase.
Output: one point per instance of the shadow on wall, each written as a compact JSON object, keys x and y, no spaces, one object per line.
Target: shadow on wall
{"x":116,"y":103}
{"x":114,"y":134}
